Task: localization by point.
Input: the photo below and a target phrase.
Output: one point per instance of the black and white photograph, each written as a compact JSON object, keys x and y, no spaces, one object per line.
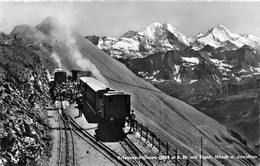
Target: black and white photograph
{"x":129,"y":83}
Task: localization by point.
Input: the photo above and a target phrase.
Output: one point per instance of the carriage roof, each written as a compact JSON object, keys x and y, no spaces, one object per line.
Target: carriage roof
{"x":116,"y":93}
{"x":93,"y":83}
{"x":58,"y":70}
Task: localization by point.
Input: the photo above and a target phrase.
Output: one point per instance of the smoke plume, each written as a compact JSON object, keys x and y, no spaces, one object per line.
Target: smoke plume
{"x":65,"y":36}
{"x":56,"y":58}
{"x":48,"y":75}
{"x":85,"y":64}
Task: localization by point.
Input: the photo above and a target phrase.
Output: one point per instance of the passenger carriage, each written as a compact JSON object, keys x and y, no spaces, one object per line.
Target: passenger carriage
{"x":109,"y":105}
{"x":92,"y":91}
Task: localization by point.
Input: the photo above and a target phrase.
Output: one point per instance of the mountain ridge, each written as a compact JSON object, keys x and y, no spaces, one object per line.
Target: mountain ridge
{"x":164,"y":37}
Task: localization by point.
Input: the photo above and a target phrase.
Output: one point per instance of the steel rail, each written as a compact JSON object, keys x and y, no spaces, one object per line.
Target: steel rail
{"x":73,"y":147}
{"x":59,"y":161}
{"x":67,"y":145}
{"x":138,"y":152}
{"x":127,"y":151}
{"x":72,"y":140}
{"x":102,"y":148}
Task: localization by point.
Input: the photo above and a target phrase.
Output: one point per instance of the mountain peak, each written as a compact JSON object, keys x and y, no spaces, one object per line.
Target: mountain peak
{"x":153,"y":26}
{"x":49,"y":25}
{"x":222,"y":31}
{"x":156,"y":24}
{"x":129,"y":34}
{"x":169,"y":27}
{"x":49,"y":21}
{"x":199,"y":35}
{"x":152,"y":29}
{"x":164,"y":26}
{"x":220,"y":36}
{"x":222,"y":27}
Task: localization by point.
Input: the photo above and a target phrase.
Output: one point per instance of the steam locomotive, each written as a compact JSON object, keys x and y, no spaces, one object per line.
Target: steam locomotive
{"x":101,"y":104}
{"x":59,"y":76}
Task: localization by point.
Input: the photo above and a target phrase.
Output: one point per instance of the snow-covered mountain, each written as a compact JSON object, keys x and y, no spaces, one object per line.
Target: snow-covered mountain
{"x":164,"y":37}
{"x":220,"y":36}
{"x":189,"y":66}
{"x":155,"y":38}
{"x":161,"y":52}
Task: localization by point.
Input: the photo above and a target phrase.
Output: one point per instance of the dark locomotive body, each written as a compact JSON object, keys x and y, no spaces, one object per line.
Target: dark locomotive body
{"x":116,"y":107}
{"x":109,"y":105}
{"x":59,"y":76}
{"x":56,"y":83}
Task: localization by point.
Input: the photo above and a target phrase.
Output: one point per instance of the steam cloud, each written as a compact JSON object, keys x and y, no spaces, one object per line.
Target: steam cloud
{"x":48,"y":75}
{"x":57,"y":59}
{"x":65,"y":36}
{"x":84,"y":63}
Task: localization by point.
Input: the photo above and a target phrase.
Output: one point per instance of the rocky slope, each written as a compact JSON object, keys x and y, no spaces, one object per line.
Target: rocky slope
{"x":24,"y":132}
{"x":203,"y":77}
{"x":189,"y":66}
{"x":180,"y":123}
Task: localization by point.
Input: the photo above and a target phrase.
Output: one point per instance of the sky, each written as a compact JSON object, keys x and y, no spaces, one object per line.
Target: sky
{"x":114,"y":18}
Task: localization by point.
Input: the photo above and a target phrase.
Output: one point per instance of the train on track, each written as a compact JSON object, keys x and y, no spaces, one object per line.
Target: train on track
{"x":101,"y":104}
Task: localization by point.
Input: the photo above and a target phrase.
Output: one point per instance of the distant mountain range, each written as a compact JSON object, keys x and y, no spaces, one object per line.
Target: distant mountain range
{"x":161,"y":52}
{"x":215,"y":72}
{"x":164,"y":37}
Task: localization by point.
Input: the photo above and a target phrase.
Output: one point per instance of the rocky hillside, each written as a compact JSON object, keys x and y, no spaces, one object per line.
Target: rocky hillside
{"x":24,"y":132}
{"x":189,"y":66}
{"x":203,"y":77}
{"x":180,"y":123}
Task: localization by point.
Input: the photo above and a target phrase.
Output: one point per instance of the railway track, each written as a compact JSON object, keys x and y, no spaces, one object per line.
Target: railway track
{"x":102,"y":148}
{"x":68,"y":125}
{"x":129,"y":153}
{"x":136,"y":155}
{"x":66,"y":152}
{"x":60,"y":138}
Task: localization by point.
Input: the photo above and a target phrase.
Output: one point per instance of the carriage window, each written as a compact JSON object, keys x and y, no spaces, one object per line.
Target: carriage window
{"x":127,"y":99}
{"x":100,"y":96}
{"x":110,"y":99}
